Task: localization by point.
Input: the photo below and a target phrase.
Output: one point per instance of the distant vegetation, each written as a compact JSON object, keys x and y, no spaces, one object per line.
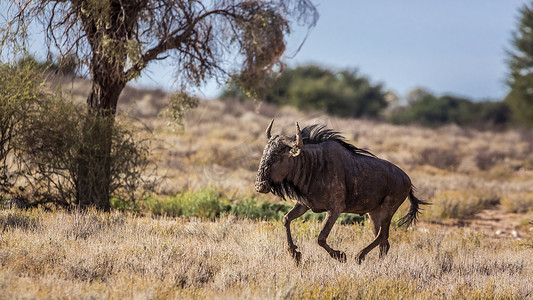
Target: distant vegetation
{"x":343,"y":93}
{"x":430,"y":110}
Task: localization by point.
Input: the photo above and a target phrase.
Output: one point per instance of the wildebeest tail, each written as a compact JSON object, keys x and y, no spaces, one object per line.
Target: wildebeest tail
{"x":414,"y":210}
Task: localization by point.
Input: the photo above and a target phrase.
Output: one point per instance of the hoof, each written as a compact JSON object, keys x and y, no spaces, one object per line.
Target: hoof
{"x":340,"y":256}
{"x":359,"y":259}
{"x":297,"y":256}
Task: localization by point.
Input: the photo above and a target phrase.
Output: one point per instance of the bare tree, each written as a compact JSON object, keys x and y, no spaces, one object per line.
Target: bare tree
{"x":117,"y":39}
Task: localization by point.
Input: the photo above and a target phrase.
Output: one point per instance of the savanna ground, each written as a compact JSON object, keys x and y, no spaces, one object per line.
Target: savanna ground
{"x":475,"y":241}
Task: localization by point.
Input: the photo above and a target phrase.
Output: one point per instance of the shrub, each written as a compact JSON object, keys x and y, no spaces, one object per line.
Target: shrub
{"x":66,"y":65}
{"x":19,"y":91}
{"x":500,"y":172}
{"x":344,"y":219}
{"x":518,"y":203}
{"x":439,"y":158}
{"x":42,"y":134}
{"x":458,"y":204}
{"x":254,"y":209}
{"x":485,"y":160}
{"x":430,"y":110}
{"x":50,"y":152}
{"x":343,"y":93}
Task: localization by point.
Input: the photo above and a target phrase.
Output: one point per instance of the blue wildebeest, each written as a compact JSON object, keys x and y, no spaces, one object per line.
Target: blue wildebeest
{"x":323,"y":172}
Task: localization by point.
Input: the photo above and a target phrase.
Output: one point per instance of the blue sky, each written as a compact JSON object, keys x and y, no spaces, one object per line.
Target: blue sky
{"x":448,"y":47}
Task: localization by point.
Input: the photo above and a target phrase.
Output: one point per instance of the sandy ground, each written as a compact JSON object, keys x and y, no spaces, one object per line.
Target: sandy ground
{"x":494,"y":223}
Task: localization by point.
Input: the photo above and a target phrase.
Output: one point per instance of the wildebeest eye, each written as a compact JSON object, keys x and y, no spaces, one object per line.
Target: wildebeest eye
{"x":282,"y":151}
{"x":276,"y":158}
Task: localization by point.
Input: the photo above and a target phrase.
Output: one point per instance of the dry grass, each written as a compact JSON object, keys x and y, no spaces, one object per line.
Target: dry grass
{"x":518,"y":203}
{"x":97,"y":255}
{"x":458,"y":204}
{"x":119,"y":255}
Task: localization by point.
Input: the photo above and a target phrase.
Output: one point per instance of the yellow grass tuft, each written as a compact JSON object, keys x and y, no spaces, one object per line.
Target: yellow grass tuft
{"x":518,"y":202}
{"x":459,"y":204}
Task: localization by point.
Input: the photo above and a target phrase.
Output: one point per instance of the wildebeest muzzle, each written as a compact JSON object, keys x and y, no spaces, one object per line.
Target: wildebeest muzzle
{"x":262,"y":187}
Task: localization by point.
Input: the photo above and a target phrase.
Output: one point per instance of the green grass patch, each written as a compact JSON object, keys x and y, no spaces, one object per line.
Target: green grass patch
{"x":255,"y":209}
{"x":211,"y":204}
{"x":206,"y":204}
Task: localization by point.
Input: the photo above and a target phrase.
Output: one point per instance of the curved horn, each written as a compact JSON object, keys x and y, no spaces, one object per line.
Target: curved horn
{"x":299,"y":140}
{"x":295,"y":151}
{"x":268,"y":129}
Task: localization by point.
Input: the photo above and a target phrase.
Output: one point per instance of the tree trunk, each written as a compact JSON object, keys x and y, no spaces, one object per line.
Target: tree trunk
{"x":94,"y":178}
{"x":109,"y":55}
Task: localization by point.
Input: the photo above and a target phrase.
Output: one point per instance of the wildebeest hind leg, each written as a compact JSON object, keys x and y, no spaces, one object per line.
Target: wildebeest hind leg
{"x":295,"y":212}
{"x":384,"y":243}
{"x":331,"y":217}
{"x":381,"y":223}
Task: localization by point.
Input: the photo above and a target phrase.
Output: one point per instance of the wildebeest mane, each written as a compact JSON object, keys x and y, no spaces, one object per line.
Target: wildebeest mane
{"x":316,"y":134}
{"x":286,"y":190}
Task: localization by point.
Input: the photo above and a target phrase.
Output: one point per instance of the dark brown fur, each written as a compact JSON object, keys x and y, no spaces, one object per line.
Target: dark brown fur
{"x":325,"y":173}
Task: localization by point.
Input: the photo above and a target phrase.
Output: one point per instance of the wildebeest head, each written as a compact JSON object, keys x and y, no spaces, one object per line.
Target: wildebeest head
{"x":276,"y":161}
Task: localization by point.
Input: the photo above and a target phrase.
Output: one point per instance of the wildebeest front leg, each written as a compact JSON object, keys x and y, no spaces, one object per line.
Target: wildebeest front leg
{"x":295,"y":212}
{"x":331,"y":217}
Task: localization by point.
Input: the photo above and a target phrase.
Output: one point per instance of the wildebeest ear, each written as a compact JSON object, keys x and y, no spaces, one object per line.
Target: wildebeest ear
{"x":268,"y":129}
{"x":295,"y":151}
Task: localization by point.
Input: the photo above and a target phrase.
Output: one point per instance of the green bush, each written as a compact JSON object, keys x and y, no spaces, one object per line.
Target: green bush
{"x":42,"y":133}
{"x":344,"y":93}
{"x":263,"y":210}
{"x":434,"y":111}
{"x":206,"y":204}
{"x":57,"y":139}
{"x":259,"y":210}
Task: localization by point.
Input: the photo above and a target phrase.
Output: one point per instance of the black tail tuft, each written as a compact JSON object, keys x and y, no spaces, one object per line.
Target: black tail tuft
{"x":414,"y":210}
